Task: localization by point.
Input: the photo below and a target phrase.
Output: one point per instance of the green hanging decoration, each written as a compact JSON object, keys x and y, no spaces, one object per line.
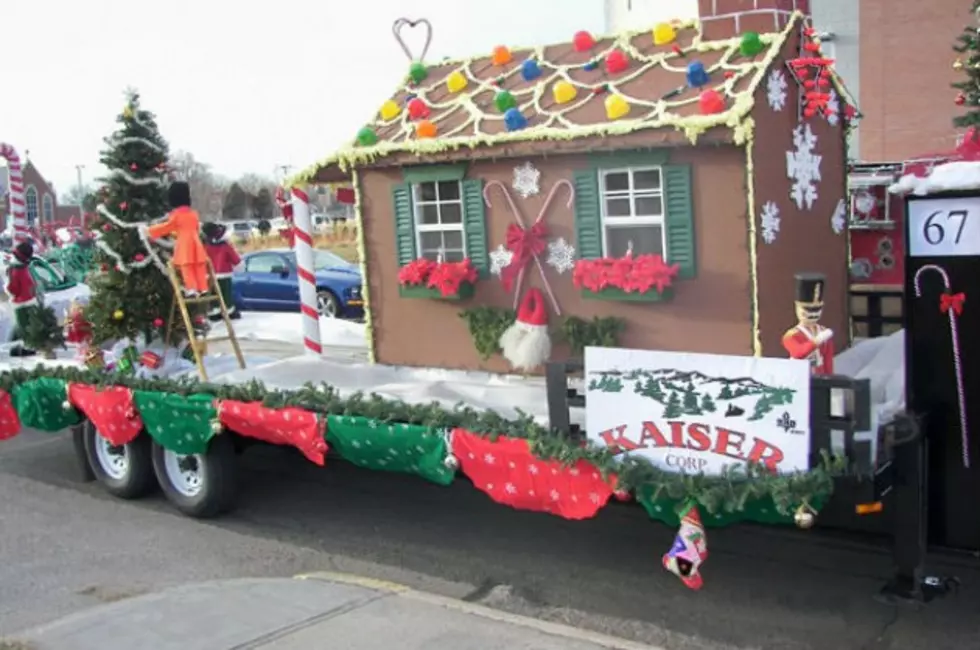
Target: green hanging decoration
{"x":182,"y":424}
{"x":599,"y":332}
{"x":43,"y":404}
{"x":392,"y":447}
{"x":486,"y":324}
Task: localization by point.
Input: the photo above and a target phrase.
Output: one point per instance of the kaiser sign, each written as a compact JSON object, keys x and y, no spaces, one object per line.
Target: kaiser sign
{"x":699,"y":412}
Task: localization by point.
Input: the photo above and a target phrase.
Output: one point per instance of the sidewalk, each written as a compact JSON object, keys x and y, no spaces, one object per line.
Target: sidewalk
{"x":320,"y":610}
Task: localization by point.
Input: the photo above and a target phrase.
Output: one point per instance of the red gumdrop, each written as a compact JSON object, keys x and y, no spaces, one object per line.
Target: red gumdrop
{"x":825,"y":72}
{"x":823,"y":83}
{"x":811,"y":47}
{"x":616,"y":62}
{"x":583,"y":41}
{"x":809,"y":83}
{"x":417,"y":109}
{"x":809,"y":111}
{"x":802,"y":73}
{"x":711,"y":102}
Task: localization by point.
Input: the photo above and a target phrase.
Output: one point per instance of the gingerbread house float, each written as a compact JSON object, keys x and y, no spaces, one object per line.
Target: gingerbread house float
{"x":674,"y":178}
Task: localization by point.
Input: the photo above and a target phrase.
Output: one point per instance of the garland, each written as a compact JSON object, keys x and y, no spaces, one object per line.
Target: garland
{"x":486,"y":325}
{"x":599,"y":332}
{"x":729,"y":492}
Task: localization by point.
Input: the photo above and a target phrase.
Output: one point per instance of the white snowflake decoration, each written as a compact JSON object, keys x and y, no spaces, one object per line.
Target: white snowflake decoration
{"x":500,"y":258}
{"x":770,"y":222}
{"x":803,"y":167}
{"x":833,"y":105}
{"x":561,"y":255}
{"x":839,"y":219}
{"x":776,"y":89}
{"x":527,"y":180}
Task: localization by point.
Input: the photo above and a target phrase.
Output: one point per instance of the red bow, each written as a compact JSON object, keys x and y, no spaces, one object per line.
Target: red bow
{"x":952,"y":301}
{"x":524,"y":244}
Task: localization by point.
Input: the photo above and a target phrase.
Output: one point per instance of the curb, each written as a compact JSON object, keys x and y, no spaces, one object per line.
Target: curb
{"x":473,"y":609}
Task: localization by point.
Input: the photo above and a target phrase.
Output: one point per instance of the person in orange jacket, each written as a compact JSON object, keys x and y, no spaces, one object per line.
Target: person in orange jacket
{"x":184,"y":224}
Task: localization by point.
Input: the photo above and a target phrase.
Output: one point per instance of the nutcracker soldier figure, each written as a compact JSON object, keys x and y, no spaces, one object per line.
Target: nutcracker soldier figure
{"x":809,"y":339}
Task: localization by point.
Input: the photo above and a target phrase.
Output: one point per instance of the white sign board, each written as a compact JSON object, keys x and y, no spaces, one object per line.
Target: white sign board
{"x":699,"y":412}
{"x":944,"y":227}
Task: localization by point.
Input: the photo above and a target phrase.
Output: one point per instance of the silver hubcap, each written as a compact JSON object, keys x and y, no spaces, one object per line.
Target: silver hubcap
{"x":184,"y":472}
{"x":328,"y":306}
{"x":113,"y":459}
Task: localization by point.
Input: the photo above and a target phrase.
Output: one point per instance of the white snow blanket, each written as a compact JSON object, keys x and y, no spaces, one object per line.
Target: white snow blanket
{"x":59,"y":301}
{"x":287,"y":327}
{"x":948,"y":177}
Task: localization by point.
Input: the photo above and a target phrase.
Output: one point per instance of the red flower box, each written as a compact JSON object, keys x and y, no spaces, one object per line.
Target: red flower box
{"x":644,"y":278}
{"x":441,"y":280}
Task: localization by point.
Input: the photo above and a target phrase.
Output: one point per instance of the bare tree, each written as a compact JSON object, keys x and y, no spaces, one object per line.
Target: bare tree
{"x":236,"y":203}
{"x":207,"y":189}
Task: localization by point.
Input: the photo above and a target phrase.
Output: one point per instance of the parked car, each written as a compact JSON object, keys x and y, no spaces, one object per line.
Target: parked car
{"x":242,"y":229}
{"x":268,"y":280}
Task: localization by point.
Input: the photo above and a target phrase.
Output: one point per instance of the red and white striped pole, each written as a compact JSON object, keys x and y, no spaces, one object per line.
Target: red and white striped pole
{"x":18,"y":208}
{"x":303,"y":244}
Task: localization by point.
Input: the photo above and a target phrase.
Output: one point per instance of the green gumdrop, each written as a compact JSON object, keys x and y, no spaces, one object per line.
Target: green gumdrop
{"x":751,"y":44}
{"x":504,"y":101}
{"x":367,"y":137}
{"x":418,"y":72}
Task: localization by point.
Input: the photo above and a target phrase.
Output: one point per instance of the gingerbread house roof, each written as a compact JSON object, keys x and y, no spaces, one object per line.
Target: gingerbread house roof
{"x":654,"y":84}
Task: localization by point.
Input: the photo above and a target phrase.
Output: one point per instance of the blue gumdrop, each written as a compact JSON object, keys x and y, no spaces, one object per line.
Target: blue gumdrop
{"x":590,"y":66}
{"x":530,"y":70}
{"x":409,"y":97}
{"x":697,"y":76}
{"x":514,"y":120}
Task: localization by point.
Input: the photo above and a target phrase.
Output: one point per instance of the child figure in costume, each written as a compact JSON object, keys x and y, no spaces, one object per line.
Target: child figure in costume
{"x":809,"y":339}
{"x":224,"y":259}
{"x":690,"y":549}
{"x":184,"y":224}
{"x":22,"y":292}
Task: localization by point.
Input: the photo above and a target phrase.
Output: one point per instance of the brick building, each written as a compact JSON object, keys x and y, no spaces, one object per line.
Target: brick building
{"x":40,"y":198}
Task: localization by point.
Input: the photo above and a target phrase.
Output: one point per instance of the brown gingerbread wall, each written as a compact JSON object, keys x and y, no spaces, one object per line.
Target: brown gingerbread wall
{"x":709,"y":314}
{"x":806,"y":241}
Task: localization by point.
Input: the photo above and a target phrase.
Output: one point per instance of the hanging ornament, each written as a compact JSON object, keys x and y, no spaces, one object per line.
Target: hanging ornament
{"x":616,"y":107}
{"x":139,"y":257}
{"x":530,"y":70}
{"x":417,"y":72}
{"x":563,"y":92}
{"x":514,"y":120}
{"x":616,"y":62}
{"x":417,"y":109}
{"x":425,"y":130}
{"x":450,"y":462}
{"x":158,"y":322}
{"x":118,"y":314}
{"x":664,"y":34}
{"x":697,"y":76}
{"x":711,"y":102}
{"x":583,"y":41}
{"x":500,"y":258}
{"x":957,"y":65}
{"x":456,"y":81}
{"x":106,"y":227}
{"x":367,"y":137}
{"x":504,"y":101}
{"x":133,"y":167}
{"x":750,"y":44}
{"x":390,"y":110}
{"x":501,"y":55}
{"x":805,"y":517}
{"x":960,"y":99}
{"x":216,"y":427}
{"x":123,"y":205}
{"x":561,"y":255}
{"x":128,"y":112}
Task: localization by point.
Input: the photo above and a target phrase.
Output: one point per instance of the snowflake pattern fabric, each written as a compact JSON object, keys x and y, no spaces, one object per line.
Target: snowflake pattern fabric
{"x":561,"y":255}
{"x":838,"y":221}
{"x":833,"y":106}
{"x":803,"y":167}
{"x":9,"y":422}
{"x":769,"y":222}
{"x":500,"y":258}
{"x":285,"y":426}
{"x":40,"y":404}
{"x":776,"y":90}
{"x":507,"y":471}
{"x":181,"y":424}
{"x":110,"y":410}
{"x":527,"y":180}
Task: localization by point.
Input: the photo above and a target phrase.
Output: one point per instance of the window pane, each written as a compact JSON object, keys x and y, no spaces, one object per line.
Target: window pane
{"x":449,"y":190}
{"x":431,"y":241}
{"x":645,"y":239}
{"x":618,"y":207}
{"x":647,"y":179}
{"x":263,"y":263}
{"x":648,"y":206}
{"x":426,"y":191}
{"x":453,"y":239}
{"x":454,"y":256}
{"x":617,"y":182}
{"x":428,"y":214}
{"x":451,"y":212}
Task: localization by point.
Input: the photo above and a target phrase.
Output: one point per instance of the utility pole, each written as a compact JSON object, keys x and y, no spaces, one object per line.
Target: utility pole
{"x":81,"y":196}
{"x":284,"y":169}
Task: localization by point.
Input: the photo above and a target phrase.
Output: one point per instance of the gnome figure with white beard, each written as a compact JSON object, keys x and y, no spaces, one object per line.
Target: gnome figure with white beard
{"x":526,"y":344}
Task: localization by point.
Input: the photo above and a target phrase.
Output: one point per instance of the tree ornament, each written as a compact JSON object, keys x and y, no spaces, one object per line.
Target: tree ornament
{"x":425,"y":129}
{"x":158,"y":322}
{"x":583,"y":41}
{"x":530,"y":70}
{"x":957,"y":65}
{"x":514,"y":120}
{"x":123,"y":205}
{"x":616,"y":107}
{"x":66,"y":405}
{"x":133,"y":167}
{"x":106,"y":228}
{"x":622,"y":495}
{"x":366,"y":136}
{"x":616,"y":62}
{"x":450,"y":462}
{"x":417,"y":72}
{"x":216,"y":427}
{"x":139,"y":257}
{"x":563,"y":92}
{"x":664,"y":34}
{"x":390,"y":110}
{"x":697,"y":76}
{"x":456,"y":81}
{"x":118,"y":314}
{"x":805,"y":517}
{"x":417,"y":109}
{"x":750,"y":44}
{"x":960,"y":99}
{"x":504,"y":101}
{"x":501,"y":55}
{"x":128,"y":112}
{"x":711,"y":102}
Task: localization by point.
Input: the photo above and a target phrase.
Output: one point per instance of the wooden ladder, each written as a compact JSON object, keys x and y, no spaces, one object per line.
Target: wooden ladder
{"x":199,"y":346}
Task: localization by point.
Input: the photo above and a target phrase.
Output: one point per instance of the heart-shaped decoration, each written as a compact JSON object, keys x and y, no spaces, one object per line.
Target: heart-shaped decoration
{"x":399,"y":26}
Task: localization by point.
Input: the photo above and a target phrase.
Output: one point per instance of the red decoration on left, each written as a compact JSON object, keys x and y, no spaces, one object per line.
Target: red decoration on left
{"x":9,"y":421}
{"x":109,"y":409}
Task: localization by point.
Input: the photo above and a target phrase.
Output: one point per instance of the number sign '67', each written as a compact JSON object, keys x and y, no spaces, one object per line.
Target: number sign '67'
{"x":944,"y":227}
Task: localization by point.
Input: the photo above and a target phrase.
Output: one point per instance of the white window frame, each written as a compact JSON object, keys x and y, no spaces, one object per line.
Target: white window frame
{"x":632,"y":220}
{"x":47,"y":208}
{"x":420,"y":227}
{"x":28,"y":192}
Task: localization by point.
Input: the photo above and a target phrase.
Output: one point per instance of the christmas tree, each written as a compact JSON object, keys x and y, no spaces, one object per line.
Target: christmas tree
{"x":968,"y":96}
{"x":131,"y":291}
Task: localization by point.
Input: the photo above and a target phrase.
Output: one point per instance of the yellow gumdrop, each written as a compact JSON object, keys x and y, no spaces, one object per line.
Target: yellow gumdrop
{"x":616,"y":107}
{"x":663,"y":34}
{"x":390,"y":110}
{"x":563,"y":92}
{"x":456,"y":81}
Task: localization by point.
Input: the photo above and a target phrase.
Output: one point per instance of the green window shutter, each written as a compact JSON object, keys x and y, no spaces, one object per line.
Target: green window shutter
{"x":680,"y":220}
{"x":588,"y":216}
{"x":475,"y":225}
{"x":404,"y":223}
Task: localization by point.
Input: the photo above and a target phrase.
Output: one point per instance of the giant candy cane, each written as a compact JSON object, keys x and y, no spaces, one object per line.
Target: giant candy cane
{"x":303,"y":242}
{"x":17,"y":202}
{"x":951,"y":304}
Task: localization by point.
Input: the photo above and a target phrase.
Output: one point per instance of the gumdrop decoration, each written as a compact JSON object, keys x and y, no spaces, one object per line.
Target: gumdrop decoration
{"x":456,"y":81}
{"x":750,"y":44}
{"x":697,"y":76}
{"x":514,"y":120}
{"x":417,"y":109}
{"x":664,"y":34}
{"x":616,"y":62}
{"x":390,"y":110}
{"x":616,"y":107}
{"x":583,"y":41}
{"x":504,"y":101}
{"x":711,"y":102}
{"x":501,"y":55}
{"x":590,"y":66}
{"x":367,"y":137}
{"x":417,"y":72}
{"x":425,"y":129}
{"x":530,"y":70}
{"x":563,"y":92}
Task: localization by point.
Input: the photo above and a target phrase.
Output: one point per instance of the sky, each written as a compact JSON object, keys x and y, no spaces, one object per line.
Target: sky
{"x":243,"y":86}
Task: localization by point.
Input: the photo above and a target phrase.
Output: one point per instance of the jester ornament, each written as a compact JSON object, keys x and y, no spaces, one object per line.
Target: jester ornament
{"x":689,"y":551}
{"x":809,"y":339}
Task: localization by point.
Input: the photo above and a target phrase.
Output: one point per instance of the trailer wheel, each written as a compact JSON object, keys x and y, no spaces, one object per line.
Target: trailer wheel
{"x":126,"y":471}
{"x":199,"y":485}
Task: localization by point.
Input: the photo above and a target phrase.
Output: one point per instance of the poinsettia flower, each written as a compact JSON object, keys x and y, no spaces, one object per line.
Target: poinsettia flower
{"x":448,"y":277}
{"x":631,"y":274}
{"x":416,"y":272}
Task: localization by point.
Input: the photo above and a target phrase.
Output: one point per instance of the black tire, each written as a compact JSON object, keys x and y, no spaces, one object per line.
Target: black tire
{"x":327,"y":303}
{"x":218,"y":474}
{"x":136,"y":479}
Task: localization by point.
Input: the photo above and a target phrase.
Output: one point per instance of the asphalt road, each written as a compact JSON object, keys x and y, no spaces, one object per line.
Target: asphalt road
{"x":66,"y":545}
